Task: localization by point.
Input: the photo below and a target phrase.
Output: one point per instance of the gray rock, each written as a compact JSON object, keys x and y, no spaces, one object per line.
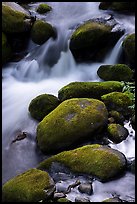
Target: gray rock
{"x":59,"y":195}
{"x":86,"y":188}
{"x":80,"y":199}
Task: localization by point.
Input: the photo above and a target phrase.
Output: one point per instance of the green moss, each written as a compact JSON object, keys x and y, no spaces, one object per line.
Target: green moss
{"x":6,"y":49}
{"x":129,"y":48}
{"x":115,"y":199}
{"x":96,"y":160}
{"x":118,"y":117}
{"x":26,"y":187}
{"x":42,"y":105}
{"x":73,"y":120}
{"x":43,"y":8}
{"x":88,"y":34}
{"x":117,"y":101}
{"x":118,"y":72}
{"x":41,"y":32}
{"x":63,"y":200}
{"x":117,"y":133}
{"x":88,"y":89}
{"x":12,"y":20}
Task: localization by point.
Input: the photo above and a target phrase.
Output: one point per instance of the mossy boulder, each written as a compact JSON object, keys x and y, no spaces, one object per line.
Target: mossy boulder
{"x":118,"y":6}
{"x":88,"y":89}
{"x":117,"y":72}
{"x":118,"y":101}
{"x":96,"y":160}
{"x":28,"y":187}
{"x":15,"y":19}
{"x":72,"y":121}
{"x":129,"y":48}
{"x":43,"y":8}
{"x":92,"y":38}
{"x":63,"y":200}
{"x":41,"y":32}
{"x":42,"y":105}
{"x":6,"y":49}
{"x":117,"y":133}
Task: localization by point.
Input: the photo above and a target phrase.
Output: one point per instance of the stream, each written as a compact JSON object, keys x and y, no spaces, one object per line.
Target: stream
{"x":46,"y":69}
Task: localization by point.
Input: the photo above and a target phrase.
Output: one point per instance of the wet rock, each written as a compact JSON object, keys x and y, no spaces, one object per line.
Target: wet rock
{"x":117,"y":133}
{"x":117,"y":72}
{"x":93,"y":38}
{"x":81,"y":199}
{"x":41,"y":32}
{"x":6,"y":49}
{"x":118,"y":117}
{"x":129,"y":49}
{"x":118,"y":6}
{"x":88,"y":89}
{"x":118,"y":101}
{"x":34,"y":184}
{"x":42,"y":105}
{"x":43,"y":8}
{"x":73,"y":120}
{"x":15,"y":19}
{"x":133,"y":121}
{"x":86,"y":188}
{"x":59,"y":195}
{"x":20,"y":136}
{"x":115,"y":199}
{"x":96,"y":160}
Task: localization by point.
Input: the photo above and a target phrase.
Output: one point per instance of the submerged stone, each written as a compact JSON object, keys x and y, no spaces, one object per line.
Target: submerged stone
{"x":96,"y":160}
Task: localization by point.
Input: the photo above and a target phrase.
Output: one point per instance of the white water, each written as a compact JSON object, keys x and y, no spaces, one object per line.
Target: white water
{"x":46,"y":69}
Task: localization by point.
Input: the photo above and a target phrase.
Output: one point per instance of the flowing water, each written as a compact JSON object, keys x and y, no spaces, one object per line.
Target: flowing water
{"x":46,"y":69}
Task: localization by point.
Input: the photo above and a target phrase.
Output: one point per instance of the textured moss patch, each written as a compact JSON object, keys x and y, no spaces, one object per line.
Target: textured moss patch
{"x":42,"y":105}
{"x":96,"y":160}
{"x":62,"y":200}
{"x":6,"y":49}
{"x":118,"y":101}
{"x":43,"y":8}
{"x":73,"y":120}
{"x":118,"y":72}
{"x":13,"y":20}
{"x":88,"y":89}
{"x":115,"y":199}
{"x":118,"y":117}
{"x":129,"y":48}
{"x":41,"y":32}
{"x":117,"y":133}
{"x":27,"y":187}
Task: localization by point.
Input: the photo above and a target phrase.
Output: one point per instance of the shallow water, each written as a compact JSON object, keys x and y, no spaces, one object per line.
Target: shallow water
{"x":46,"y":69}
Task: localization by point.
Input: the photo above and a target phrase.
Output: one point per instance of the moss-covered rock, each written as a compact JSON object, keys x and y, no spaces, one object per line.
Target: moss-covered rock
{"x":118,"y":117}
{"x":73,"y":120}
{"x":27,"y":187}
{"x":88,"y":89}
{"x":118,"y":6}
{"x":6,"y":49}
{"x":89,"y":39}
{"x":118,"y":72}
{"x":114,"y":199}
{"x":117,"y":133}
{"x":133,"y":121}
{"x":96,"y":160}
{"x":129,"y":48}
{"x":42,"y":105}
{"x":118,"y":101}
{"x":63,"y":200}
{"x":41,"y":32}
{"x":43,"y":8}
{"x":15,"y":19}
